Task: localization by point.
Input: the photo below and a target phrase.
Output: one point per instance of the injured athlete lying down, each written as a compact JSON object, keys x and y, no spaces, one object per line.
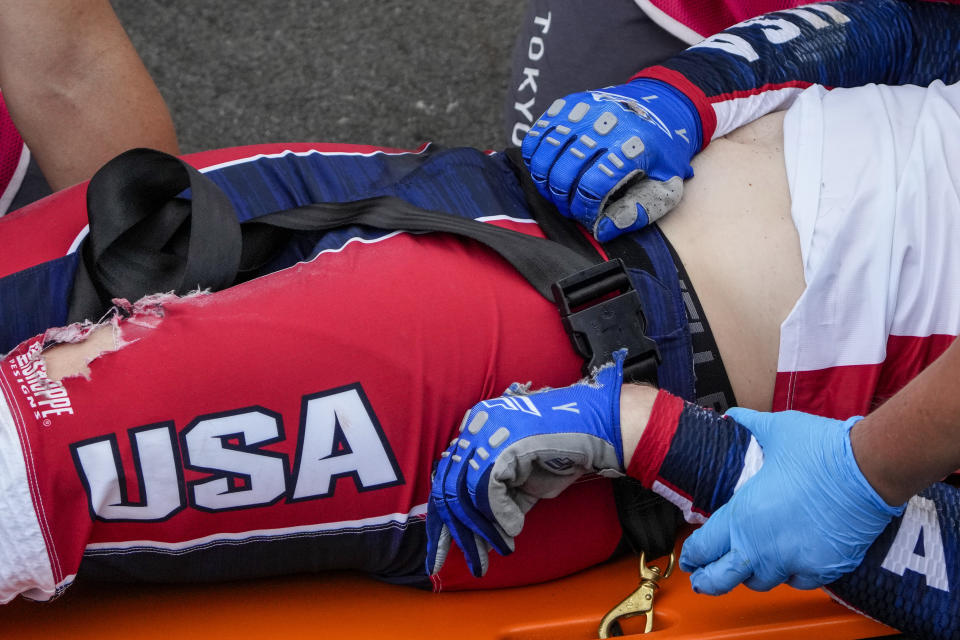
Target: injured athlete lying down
{"x":175,"y":454}
{"x":876,"y":219}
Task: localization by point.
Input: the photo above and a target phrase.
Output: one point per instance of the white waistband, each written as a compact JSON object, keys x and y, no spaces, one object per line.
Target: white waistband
{"x":24,"y":563}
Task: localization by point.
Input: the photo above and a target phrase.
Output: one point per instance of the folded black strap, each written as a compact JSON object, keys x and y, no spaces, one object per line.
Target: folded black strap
{"x":145,"y":238}
{"x":649,"y":522}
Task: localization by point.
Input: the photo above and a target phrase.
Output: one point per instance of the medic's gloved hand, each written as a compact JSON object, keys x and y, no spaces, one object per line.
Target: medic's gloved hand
{"x":514,"y":450}
{"x":634,"y":141}
{"x":806,"y":517}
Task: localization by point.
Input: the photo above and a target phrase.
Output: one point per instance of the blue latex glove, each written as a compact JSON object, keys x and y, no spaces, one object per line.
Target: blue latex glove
{"x":635,"y":140}
{"x":806,"y":518}
{"x":511,"y":452}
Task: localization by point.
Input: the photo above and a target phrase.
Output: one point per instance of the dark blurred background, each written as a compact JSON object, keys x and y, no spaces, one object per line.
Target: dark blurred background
{"x":388,"y":72}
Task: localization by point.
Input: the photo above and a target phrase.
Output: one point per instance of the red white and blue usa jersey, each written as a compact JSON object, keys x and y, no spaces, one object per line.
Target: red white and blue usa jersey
{"x":762,"y":64}
{"x":289,"y":423}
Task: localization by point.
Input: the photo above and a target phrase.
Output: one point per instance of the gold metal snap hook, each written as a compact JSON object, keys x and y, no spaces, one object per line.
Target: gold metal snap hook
{"x":641,"y":600}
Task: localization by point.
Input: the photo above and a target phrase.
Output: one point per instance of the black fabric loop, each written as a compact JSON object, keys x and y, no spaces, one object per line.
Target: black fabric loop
{"x":649,"y":522}
{"x":145,"y":238}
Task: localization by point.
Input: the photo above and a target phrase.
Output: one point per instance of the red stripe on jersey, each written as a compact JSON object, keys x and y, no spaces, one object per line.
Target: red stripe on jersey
{"x":835,"y":392}
{"x":708,"y":119}
{"x":844,"y":391}
{"x":646,"y":461}
{"x":906,"y":357}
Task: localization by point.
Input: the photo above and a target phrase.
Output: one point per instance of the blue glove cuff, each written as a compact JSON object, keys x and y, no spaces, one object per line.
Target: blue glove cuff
{"x":612,"y":375}
{"x":683,"y":113}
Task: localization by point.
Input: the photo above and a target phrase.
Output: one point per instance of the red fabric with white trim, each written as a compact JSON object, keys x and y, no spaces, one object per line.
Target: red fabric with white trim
{"x":851,"y":390}
{"x":14,"y":158}
{"x":691,"y":20}
{"x":878,"y":218}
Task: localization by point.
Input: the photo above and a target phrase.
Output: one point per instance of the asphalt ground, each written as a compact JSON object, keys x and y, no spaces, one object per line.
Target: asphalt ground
{"x":388,"y":72}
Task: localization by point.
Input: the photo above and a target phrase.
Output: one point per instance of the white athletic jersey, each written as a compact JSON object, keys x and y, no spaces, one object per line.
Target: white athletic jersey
{"x":874,"y":176}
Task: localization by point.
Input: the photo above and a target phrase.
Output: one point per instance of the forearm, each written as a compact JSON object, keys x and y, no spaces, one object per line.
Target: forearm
{"x":913,"y":439}
{"x":636,"y":403}
{"x":75,"y":87}
{"x":760,"y":65}
{"x":692,"y":456}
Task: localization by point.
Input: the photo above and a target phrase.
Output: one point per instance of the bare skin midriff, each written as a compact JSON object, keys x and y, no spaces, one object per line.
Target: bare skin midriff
{"x":736,"y":239}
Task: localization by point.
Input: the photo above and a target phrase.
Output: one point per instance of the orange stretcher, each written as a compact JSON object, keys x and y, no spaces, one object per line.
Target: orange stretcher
{"x":344,"y":605}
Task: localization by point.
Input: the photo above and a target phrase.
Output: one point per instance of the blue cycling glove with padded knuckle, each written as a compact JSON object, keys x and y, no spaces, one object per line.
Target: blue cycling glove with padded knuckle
{"x":513,"y":451}
{"x":615,"y":159}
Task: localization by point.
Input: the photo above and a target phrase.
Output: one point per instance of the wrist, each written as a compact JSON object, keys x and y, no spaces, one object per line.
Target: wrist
{"x":636,"y":406}
{"x":648,"y":446}
{"x":673,"y":111}
{"x":704,"y":117}
{"x":692,"y":456}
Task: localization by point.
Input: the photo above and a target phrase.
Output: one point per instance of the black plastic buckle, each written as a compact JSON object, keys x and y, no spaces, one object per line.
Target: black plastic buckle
{"x":598,"y":323}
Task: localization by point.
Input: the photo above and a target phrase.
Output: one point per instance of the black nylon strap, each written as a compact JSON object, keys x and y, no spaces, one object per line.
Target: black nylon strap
{"x":145,"y":239}
{"x":542,"y":262}
{"x":556,"y":227}
{"x":649,"y":521}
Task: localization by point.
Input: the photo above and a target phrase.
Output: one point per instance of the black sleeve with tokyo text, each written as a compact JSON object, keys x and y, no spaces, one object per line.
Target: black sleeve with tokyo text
{"x":761,"y":64}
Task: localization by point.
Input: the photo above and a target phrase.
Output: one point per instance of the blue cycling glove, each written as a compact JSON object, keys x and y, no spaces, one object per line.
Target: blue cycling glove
{"x":806,"y":518}
{"x":514,"y":450}
{"x":615,"y":159}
